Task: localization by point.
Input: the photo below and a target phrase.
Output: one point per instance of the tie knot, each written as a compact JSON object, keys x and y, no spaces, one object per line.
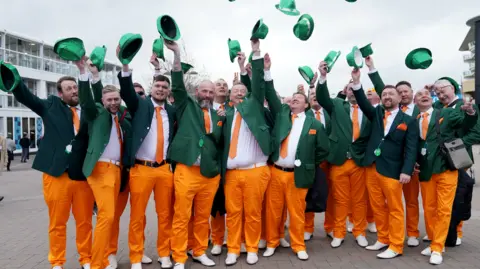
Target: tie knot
{"x":204,"y":109}
{"x":294,"y":116}
{"x":355,"y":106}
{"x":158,"y":108}
{"x":318,"y":112}
{"x":73,"y":109}
{"x":404,"y":108}
{"x":425,"y":114}
{"x":387,"y":113}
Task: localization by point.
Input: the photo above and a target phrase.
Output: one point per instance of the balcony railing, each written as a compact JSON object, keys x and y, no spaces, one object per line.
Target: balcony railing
{"x":468,"y":74}
{"x":469,"y":57}
{"x":471,"y":46}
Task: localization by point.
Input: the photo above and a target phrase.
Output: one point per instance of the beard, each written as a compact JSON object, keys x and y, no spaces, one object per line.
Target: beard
{"x":205,"y":103}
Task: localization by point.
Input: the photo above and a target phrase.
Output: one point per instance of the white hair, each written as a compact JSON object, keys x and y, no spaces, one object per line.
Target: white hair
{"x":442,"y":83}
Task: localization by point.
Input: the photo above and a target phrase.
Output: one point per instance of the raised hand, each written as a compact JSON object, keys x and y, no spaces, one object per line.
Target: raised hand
{"x":369,"y":62}
{"x":81,"y":64}
{"x":154,"y":61}
{"x":323,"y":68}
{"x":267,"y":62}
{"x":468,"y":107}
{"x":255,"y":45}
{"x":172,"y":45}
{"x":356,"y":76}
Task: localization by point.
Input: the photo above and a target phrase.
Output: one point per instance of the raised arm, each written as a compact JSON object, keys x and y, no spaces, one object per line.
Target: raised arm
{"x":97,"y":85}
{"x":258,"y":82}
{"x":30,"y":100}
{"x":244,"y":76}
{"x":466,"y":118}
{"x":179,"y":90}
{"x":274,"y":102}
{"x":374,"y":76}
{"x":85,"y":93}
{"x":360,"y":96}
{"x":322,"y":94}
{"x":127,"y":91}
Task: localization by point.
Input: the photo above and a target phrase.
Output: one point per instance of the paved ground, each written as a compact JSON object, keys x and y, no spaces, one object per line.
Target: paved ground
{"x":24,"y":241}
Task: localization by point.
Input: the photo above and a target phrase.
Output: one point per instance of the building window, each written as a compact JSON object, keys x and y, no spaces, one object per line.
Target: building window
{"x":51,"y":89}
{"x":31,"y":84}
{"x":33,"y":137}
{"x":10,"y":127}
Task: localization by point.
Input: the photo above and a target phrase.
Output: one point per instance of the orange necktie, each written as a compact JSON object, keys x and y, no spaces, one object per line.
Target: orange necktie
{"x":206,"y":119}
{"x":387,"y":113}
{"x":222,"y":107}
{"x":159,"y":153}
{"x":355,"y":123}
{"x":424,"y":125}
{"x":119,"y":134}
{"x":284,"y":147}
{"x":317,"y":115}
{"x":76,"y":120}
{"x":234,"y":143}
{"x":404,"y":108}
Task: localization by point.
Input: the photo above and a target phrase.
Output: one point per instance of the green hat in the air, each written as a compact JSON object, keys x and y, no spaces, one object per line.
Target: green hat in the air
{"x":233,"y":49}
{"x":69,"y":49}
{"x":98,"y":57}
{"x":366,"y":51}
{"x":331,"y":58}
{"x":351,"y":1}
{"x":453,"y":82}
{"x":288,"y":7}
{"x":307,"y":73}
{"x":9,"y":77}
{"x":168,"y":28}
{"x":354,"y":58}
{"x":420,"y":58}
{"x":186,"y":67}
{"x":260,"y":30}
{"x":129,"y":45}
{"x":303,"y":29}
{"x":157,"y":48}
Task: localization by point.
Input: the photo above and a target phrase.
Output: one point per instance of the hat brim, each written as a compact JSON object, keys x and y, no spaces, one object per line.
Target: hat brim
{"x":157,"y":48}
{"x":355,"y":59}
{"x":172,"y":34}
{"x":233,"y":50}
{"x":186,"y":67}
{"x":98,"y":57}
{"x":288,"y":11}
{"x":306,"y":73}
{"x":9,"y":77}
{"x":310,"y":30}
{"x":72,"y":52}
{"x":409,"y":58}
{"x":130,"y":48}
{"x":331,"y":62}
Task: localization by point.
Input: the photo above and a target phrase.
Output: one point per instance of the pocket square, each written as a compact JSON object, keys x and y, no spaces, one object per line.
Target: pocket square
{"x":220,"y":123}
{"x":440,"y":120}
{"x":312,"y":132}
{"x":402,"y":126}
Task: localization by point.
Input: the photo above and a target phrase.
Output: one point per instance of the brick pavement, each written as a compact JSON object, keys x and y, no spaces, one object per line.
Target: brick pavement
{"x":24,"y":241}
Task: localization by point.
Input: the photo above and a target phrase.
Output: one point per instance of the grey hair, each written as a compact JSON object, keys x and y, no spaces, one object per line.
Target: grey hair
{"x":442,"y":83}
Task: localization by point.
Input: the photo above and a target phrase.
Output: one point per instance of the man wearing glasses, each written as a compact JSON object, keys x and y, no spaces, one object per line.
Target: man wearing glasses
{"x":139,"y":89}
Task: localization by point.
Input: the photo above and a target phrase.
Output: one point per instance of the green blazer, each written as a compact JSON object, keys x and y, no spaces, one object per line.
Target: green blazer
{"x":58,"y":123}
{"x":398,"y":147}
{"x":99,"y":128}
{"x":451,"y":121}
{"x":191,"y":139}
{"x":328,"y":124}
{"x":312,"y":148}
{"x":341,"y":130}
{"x":142,"y":114}
{"x":377,"y":82}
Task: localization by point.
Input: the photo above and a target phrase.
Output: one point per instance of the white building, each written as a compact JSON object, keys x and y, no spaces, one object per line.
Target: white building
{"x":40,"y":69}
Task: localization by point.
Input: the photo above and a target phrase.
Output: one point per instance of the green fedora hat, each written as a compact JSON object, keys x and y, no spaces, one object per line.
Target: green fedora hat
{"x":233,"y":49}
{"x":69,"y":49}
{"x":98,"y":57}
{"x":420,"y":58}
{"x":307,"y":73}
{"x":288,"y":7}
{"x":354,"y":58}
{"x":168,"y":28}
{"x":351,"y":1}
{"x":331,"y":58}
{"x":366,"y":50}
{"x":129,"y":44}
{"x":260,"y":30}
{"x":9,"y":77}
{"x":157,"y":48}
{"x":303,"y":29}
{"x":453,"y":82}
{"x":186,"y":67}
{"x":250,"y":57}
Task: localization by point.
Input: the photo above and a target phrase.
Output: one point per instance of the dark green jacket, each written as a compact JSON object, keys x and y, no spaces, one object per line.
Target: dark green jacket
{"x":328,"y":124}
{"x":99,"y":127}
{"x":342,"y":130}
{"x":313,"y":145}
{"x":450,"y":121}
{"x":398,"y":147}
{"x":52,"y":158}
{"x":191,"y":139}
{"x":142,"y":114}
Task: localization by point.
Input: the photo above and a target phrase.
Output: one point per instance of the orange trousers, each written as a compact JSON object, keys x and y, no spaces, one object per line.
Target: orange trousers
{"x":349,"y":188}
{"x":105,"y":184}
{"x":244,"y":193}
{"x":191,"y":189}
{"x":143,"y":181}
{"x":62,"y":194}
{"x":217,"y":225}
{"x":460,"y":230}
{"x":438,"y":194}
{"x":411,"y":191}
{"x":329,"y":221}
{"x":370,"y":218}
{"x":119,"y":209}
{"x":386,"y":198}
{"x":282,"y":190}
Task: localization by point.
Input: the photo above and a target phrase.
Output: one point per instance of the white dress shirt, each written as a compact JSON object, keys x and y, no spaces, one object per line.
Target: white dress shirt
{"x":293,"y":140}
{"x":148,"y":149}
{"x":429,"y":111}
{"x":390,"y":119}
{"x":216,"y":105}
{"x":112,"y":150}
{"x":248,"y":150}
{"x":322,"y":115}
{"x":410,"y":108}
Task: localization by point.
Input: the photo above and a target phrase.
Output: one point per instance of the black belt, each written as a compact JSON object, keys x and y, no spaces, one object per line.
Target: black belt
{"x":284,"y":169}
{"x":150,"y":164}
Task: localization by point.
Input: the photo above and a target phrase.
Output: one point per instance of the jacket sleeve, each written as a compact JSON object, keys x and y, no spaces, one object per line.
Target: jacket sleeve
{"x":245,"y":79}
{"x":97,"y":91}
{"x":274,"y":102}
{"x":377,"y":82}
{"x":258,"y":80}
{"x":364,"y":104}
{"x":30,"y":100}
{"x":179,"y":92}
{"x":323,"y":97}
{"x":86,"y":100}
{"x":127,"y":92}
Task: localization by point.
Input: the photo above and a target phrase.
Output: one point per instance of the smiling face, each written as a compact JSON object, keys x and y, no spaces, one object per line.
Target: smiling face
{"x":205,"y":93}
{"x":111,"y":99}
{"x":237,"y":93}
{"x":390,"y":98}
{"x":423,"y":99}
{"x":68,"y":90}
{"x":299,"y":103}
{"x":444,"y":91}
{"x":406,"y":93}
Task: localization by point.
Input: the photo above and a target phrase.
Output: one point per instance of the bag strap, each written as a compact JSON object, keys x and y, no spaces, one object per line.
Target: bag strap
{"x":123,"y":115}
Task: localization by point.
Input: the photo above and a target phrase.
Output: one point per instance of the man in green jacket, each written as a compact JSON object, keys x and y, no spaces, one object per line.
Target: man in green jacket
{"x":390,"y":156}
{"x":61,"y":118}
{"x":438,"y":181}
{"x":300,"y":145}
{"x":195,"y":149}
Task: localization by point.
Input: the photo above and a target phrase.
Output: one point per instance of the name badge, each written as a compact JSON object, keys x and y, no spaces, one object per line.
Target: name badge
{"x":297,"y":163}
{"x":68,"y":149}
{"x":423,"y":151}
{"x":377,"y":152}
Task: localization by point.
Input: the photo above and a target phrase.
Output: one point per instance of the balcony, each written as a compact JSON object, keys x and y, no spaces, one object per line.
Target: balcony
{"x":468,"y":74}
{"x":469,"y":57}
{"x":472,"y":67}
{"x":471,"y":46}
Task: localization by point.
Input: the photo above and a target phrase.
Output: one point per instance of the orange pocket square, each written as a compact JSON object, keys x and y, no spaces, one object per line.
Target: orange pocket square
{"x":402,"y":126}
{"x":220,"y":123}
{"x":440,"y":120}
{"x":312,"y":132}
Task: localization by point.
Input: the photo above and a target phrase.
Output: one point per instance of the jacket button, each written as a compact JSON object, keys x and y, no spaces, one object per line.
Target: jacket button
{"x":148,"y":128}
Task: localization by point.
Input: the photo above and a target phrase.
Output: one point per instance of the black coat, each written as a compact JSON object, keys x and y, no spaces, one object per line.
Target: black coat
{"x":317,"y":195}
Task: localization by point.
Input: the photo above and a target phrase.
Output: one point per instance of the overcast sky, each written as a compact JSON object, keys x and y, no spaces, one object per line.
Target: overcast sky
{"x":394,"y":28}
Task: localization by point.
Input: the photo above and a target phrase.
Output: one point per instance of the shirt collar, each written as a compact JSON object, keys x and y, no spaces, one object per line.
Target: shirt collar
{"x":299,"y":115}
{"x":157,"y":105}
{"x":320,"y":110}
{"x":454,"y":99}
